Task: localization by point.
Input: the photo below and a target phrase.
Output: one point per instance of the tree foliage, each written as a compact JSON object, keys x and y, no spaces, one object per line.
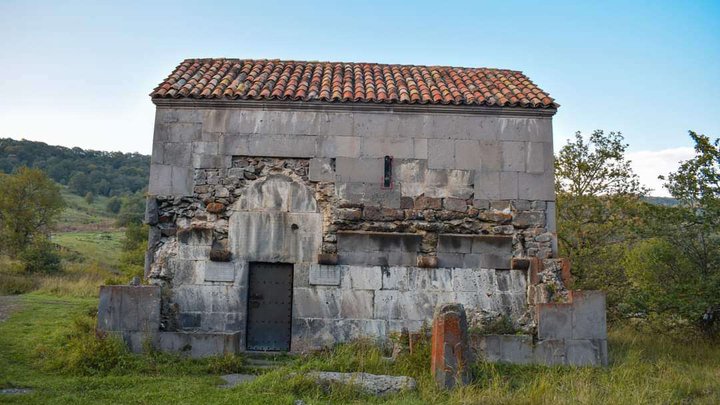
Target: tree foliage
{"x":686,"y":237}
{"x":30,"y":203}
{"x":597,"y":200}
{"x":659,"y":260}
{"x":83,"y":171}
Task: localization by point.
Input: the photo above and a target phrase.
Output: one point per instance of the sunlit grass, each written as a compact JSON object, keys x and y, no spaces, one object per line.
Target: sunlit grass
{"x":644,"y":369}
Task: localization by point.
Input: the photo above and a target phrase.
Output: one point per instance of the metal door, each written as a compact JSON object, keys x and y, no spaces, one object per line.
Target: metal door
{"x":269,"y":306}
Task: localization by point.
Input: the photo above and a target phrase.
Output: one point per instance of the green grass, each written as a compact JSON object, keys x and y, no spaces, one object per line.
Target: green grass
{"x":49,"y":332}
{"x":81,"y":216}
{"x":103,"y":248}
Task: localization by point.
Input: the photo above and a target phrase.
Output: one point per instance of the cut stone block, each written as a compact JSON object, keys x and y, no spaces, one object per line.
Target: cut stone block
{"x":129,"y":308}
{"x":514,"y":156}
{"x":554,"y":321}
{"x":515,"y":349}
{"x":198,"y":344}
{"x":325,"y":275}
{"x":362,"y":278}
{"x":219,"y":271}
{"x":312,"y":334}
{"x":356,"y":304}
{"x":550,"y":352}
{"x":583,"y":352}
{"x":448,"y":243}
{"x":321,"y":170}
{"x":588,"y":317}
{"x":316,"y":303}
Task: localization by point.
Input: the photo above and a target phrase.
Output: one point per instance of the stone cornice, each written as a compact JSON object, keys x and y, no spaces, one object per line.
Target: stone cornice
{"x":356,"y":107}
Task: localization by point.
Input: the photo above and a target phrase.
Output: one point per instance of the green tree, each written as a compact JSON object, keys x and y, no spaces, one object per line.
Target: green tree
{"x":686,"y":282}
{"x":132,"y":209}
{"x":89,"y":198}
{"x":30,"y":203}
{"x":41,"y":256}
{"x":134,"y":245}
{"x":113,"y":205}
{"x":598,"y":197}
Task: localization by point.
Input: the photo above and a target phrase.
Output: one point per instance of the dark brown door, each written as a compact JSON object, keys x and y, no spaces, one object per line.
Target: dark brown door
{"x":269,"y":307}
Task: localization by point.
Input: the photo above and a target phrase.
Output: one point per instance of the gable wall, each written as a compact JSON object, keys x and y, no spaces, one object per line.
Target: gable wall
{"x":468,"y":190}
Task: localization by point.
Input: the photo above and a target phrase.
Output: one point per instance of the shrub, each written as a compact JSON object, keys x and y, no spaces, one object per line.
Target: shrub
{"x":12,"y":284}
{"x":41,"y":257}
{"x":85,"y":352}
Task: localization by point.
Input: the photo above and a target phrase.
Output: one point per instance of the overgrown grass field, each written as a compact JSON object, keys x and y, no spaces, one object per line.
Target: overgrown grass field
{"x":100,"y":247}
{"x":78,"y":215}
{"x":49,"y":345}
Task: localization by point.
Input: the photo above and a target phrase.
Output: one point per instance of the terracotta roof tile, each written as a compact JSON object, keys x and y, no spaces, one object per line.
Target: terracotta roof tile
{"x":338,"y":82}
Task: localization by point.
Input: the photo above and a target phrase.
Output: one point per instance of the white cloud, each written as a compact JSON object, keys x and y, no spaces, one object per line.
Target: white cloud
{"x":648,"y":165}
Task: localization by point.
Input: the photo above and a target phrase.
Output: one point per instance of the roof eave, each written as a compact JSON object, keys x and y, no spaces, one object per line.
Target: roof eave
{"x":350,"y":107}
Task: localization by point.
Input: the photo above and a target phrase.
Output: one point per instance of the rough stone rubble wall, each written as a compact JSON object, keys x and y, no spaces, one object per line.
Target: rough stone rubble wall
{"x":471,"y":191}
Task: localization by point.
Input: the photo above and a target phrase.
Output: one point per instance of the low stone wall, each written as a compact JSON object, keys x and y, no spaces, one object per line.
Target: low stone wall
{"x":573,"y":333}
{"x":133,"y":314}
{"x":339,"y":303}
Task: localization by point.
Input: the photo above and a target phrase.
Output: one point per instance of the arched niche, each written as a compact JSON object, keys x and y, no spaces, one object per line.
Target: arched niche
{"x":277,"y":193}
{"x":276,"y":220}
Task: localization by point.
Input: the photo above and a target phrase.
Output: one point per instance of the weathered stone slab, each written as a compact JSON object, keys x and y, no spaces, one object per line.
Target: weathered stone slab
{"x":316,"y":303}
{"x":449,"y":243}
{"x":360,"y":170}
{"x":554,"y":321}
{"x":271,"y":236}
{"x":377,"y":385}
{"x":584,"y":352}
{"x":198,"y":344}
{"x":315,"y":333}
{"x":549,"y":352}
{"x":395,"y":278}
{"x":219,"y":271}
{"x":362,"y":278}
{"x":588,"y":317}
{"x":421,"y":279}
{"x":232,"y":380}
{"x":356,"y":304}
{"x":129,"y":308}
{"x":321,"y":170}
{"x":514,"y":349}
{"x":325,"y":275}
{"x":514,"y":156}
{"x":496,"y":245}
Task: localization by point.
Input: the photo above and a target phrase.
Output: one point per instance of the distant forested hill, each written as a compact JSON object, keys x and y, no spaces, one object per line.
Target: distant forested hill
{"x":667,"y":201}
{"x":83,"y":171}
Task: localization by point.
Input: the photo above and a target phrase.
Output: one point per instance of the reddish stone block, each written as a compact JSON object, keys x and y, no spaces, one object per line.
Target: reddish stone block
{"x":424,"y":203}
{"x":450,"y":359}
{"x":565,"y":272}
{"x":215,"y":208}
{"x":517,"y":263}
{"x":428,"y":262}
{"x":536,"y":267}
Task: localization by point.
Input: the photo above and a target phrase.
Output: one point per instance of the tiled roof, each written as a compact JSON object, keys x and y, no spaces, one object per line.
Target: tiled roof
{"x":339,"y":82}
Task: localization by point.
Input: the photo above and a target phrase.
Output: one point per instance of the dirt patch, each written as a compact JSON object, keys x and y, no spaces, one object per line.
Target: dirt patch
{"x":8,"y":305}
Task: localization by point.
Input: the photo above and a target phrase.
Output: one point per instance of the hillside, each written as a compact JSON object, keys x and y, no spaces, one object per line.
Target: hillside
{"x":81,"y":170}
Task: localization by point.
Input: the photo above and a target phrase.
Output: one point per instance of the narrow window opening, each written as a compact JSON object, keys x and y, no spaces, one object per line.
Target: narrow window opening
{"x":387,"y":176}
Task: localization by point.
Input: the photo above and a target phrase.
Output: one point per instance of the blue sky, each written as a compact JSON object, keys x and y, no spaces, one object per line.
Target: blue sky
{"x":78,"y":73}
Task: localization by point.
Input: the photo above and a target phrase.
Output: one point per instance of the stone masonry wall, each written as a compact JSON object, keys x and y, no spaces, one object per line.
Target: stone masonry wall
{"x":232,"y":186}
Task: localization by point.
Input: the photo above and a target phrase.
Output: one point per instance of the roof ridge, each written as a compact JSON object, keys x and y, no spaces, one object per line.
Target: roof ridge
{"x":347,"y":62}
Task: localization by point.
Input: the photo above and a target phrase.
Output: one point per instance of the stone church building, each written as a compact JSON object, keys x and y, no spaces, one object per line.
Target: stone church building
{"x":294,"y":205}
